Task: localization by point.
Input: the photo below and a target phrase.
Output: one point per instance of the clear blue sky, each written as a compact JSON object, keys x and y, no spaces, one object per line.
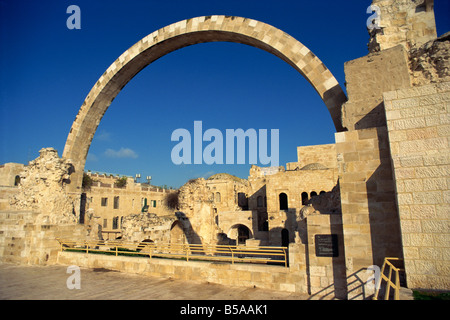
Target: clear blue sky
{"x":46,"y":71}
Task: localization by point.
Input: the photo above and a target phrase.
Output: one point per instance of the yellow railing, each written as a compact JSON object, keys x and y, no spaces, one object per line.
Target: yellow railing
{"x":389,"y":283}
{"x":263,"y":254}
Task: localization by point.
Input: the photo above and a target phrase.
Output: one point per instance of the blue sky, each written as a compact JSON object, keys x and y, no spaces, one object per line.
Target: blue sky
{"x":47,"y":70}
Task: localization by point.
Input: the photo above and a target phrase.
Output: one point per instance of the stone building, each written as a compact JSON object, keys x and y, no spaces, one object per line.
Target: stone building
{"x":385,"y":180}
{"x":263,"y":209}
{"x":110,"y":203}
{"x":9,"y":182}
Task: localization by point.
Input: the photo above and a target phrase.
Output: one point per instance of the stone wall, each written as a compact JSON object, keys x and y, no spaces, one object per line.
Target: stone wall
{"x":244,"y":275}
{"x":369,"y":213}
{"x":9,"y":172}
{"x":418,"y":121}
{"x":326,"y":275}
{"x":42,"y":189}
{"x":324,"y":154}
{"x":366,"y":80}
{"x":405,"y":22}
{"x":25,"y":241}
{"x":429,"y":63}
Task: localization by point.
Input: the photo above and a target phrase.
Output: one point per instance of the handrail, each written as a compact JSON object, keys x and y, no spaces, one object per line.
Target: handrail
{"x":226,"y":253}
{"x":389,"y":282}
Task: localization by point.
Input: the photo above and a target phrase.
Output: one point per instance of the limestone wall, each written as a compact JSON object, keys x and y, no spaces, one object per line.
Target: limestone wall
{"x":9,"y":172}
{"x":244,"y":275}
{"x":326,"y":275}
{"x":324,"y":154}
{"x":418,"y":121}
{"x":405,"y":22}
{"x":369,"y":213}
{"x":366,"y":80}
{"x":23,"y":240}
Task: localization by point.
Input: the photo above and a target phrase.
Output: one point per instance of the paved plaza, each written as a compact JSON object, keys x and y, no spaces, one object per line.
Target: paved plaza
{"x":49,"y":283}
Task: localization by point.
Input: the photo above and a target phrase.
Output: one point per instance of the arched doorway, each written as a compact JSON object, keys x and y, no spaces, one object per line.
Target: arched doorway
{"x":283,"y":200}
{"x":240,"y":233}
{"x":182,"y":34}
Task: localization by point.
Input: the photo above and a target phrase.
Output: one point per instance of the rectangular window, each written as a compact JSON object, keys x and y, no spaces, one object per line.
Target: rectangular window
{"x":115,"y":222}
{"x":104,"y":202}
{"x":105,"y":223}
{"x":116,"y":202}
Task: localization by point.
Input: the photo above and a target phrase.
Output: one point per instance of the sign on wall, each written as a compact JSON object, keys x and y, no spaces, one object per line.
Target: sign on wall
{"x":326,"y":245}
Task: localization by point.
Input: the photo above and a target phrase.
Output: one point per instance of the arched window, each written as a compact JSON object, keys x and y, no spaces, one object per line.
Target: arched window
{"x":16,"y":181}
{"x":283,"y":198}
{"x":322,"y":192}
{"x":313,"y":194}
{"x":304,"y":198}
{"x":217,"y":197}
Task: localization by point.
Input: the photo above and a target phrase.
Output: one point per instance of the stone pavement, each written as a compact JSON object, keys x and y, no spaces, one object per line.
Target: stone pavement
{"x":18,"y":282}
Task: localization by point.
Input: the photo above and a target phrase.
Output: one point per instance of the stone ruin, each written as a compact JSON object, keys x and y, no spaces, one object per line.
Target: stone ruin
{"x":391,"y":152}
{"x":42,"y":189}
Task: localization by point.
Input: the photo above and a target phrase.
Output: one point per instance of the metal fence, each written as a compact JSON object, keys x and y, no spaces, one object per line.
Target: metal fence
{"x":225,"y":253}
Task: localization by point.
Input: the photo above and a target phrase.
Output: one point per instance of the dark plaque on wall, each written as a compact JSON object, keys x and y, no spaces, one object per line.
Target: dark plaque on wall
{"x":326,"y":245}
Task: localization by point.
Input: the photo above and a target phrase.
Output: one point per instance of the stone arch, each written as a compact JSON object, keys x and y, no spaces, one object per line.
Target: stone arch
{"x":240,"y":233}
{"x":185,"y":33}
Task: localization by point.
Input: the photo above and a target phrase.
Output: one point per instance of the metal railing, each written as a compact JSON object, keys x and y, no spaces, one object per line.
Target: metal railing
{"x":225,"y":253}
{"x":389,"y":283}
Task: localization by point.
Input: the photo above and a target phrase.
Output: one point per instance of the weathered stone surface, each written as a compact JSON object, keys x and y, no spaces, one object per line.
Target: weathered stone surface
{"x":325,"y":203}
{"x":429,"y":63}
{"x":405,"y":22}
{"x":43,"y":189}
{"x":147,"y":226}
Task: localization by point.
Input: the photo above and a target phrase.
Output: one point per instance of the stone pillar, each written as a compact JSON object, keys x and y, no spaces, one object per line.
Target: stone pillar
{"x":369,"y":214}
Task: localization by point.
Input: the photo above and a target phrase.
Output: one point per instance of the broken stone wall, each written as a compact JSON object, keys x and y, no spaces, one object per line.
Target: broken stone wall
{"x":403,"y":22}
